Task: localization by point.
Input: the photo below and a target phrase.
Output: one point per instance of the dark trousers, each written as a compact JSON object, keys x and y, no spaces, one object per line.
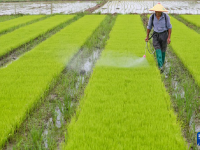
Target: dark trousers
{"x":160,"y":41}
{"x":160,"y":45}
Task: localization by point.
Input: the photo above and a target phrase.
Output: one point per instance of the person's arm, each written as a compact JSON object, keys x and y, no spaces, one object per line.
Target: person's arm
{"x":149,"y":26}
{"x":147,"y":37}
{"x":169,"y":27}
{"x":169,"y":36}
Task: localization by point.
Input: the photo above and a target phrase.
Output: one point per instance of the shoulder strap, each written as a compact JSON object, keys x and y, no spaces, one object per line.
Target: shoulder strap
{"x":165,"y":19}
{"x":152,"y":19}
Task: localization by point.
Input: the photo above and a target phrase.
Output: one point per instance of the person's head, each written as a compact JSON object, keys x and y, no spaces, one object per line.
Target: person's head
{"x":158,"y":13}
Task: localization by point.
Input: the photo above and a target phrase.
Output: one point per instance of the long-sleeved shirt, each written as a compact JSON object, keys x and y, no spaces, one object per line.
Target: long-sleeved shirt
{"x":159,"y":25}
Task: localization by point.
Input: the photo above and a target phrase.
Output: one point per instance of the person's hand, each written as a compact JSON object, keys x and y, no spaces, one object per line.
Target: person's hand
{"x":146,"y":39}
{"x":168,"y":40}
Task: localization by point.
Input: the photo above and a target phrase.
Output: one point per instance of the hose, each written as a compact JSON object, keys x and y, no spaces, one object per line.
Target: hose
{"x":151,"y":51}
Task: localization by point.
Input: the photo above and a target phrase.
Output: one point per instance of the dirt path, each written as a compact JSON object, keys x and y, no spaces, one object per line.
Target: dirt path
{"x":90,"y":10}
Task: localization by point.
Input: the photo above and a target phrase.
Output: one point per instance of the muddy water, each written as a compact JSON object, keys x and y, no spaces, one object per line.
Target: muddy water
{"x":125,"y":7}
{"x":45,"y":7}
{"x":178,"y":88}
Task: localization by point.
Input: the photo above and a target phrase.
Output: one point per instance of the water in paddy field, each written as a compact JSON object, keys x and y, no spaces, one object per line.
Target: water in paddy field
{"x":45,"y":7}
{"x":123,"y":61}
{"x":174,"y":7}
{"x":123,"y":7}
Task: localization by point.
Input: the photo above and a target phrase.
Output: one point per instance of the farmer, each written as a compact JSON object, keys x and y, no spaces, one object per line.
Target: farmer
{"x":162,"y":32}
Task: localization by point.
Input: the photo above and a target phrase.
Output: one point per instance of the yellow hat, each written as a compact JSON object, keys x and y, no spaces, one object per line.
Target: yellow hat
{"x":158,"y":7}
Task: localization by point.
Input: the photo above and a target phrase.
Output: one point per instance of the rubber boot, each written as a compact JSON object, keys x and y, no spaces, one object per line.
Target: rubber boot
{"x":159,"y":58}
{"x":163,"y":57}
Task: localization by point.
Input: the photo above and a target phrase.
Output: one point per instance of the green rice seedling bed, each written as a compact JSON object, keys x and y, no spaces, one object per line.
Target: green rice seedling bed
{"x":125,"y":104}
{"x":8,"y":17}
{"x":25,"y":81}
{"x":186,"y":46}
{"x":13,"y":40}
{"x":6,"y":25}
{"x":194,"y":19}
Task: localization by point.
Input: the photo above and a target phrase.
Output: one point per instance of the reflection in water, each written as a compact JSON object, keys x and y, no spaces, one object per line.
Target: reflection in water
{"x":45,"y":7}
{"x":125,"y":7}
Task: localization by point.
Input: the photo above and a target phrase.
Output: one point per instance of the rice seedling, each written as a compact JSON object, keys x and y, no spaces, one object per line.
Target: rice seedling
{"x":6,"y":25}
{"x":26,"y":81}
{"x":8,"y":17}
{"x":187,"y":23}
{"x":186,"y":47}
{"x":21,"y":36}
{"x":16,"y":53}
{"x":194,"y":19}
{"x":125,"y":104}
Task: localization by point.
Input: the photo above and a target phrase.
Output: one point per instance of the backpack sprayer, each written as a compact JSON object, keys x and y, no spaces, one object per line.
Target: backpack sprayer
{"x":151,"y":51}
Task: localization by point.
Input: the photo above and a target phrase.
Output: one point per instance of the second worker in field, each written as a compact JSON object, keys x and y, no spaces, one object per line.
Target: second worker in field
{"x":162,"y":32}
